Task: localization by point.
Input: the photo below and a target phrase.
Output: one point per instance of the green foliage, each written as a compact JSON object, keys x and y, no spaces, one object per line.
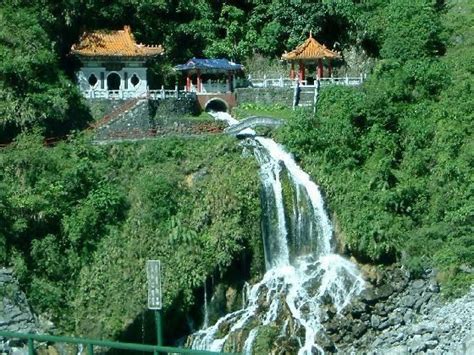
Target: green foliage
{"x":33,"y":89}
{"x":79,"y":221}
{"x":395,"y":157}
{"x":412,"y":30}
{"x":193,"y":206}
{"x":250,"y":109}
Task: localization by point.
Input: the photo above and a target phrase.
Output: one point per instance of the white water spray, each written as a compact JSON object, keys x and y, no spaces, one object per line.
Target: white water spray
{"x":302,"y":275}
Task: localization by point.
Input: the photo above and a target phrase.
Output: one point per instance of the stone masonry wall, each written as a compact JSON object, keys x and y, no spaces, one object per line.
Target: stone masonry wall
{"x":164,"y":110}
{"x":151,"y":118}
{"x":265,"y":96}
{"x":135,"y":120}
{"x":101,"y":107}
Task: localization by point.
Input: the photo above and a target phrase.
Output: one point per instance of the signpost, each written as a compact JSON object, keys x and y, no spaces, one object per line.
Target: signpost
{"x":153,"y":274}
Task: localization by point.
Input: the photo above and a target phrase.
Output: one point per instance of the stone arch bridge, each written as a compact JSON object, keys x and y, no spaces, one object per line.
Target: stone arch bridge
{"x":253,"y":122}
{"x":216,"y":101}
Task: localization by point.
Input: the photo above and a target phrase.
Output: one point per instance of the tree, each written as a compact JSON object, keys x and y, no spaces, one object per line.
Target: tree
{"x":412,"y":30}
{"x":33,"y":89}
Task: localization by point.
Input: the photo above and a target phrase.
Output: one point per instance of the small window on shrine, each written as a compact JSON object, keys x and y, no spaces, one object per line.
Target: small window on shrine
{"x":92,"y":80}
{"x":135,"y":80}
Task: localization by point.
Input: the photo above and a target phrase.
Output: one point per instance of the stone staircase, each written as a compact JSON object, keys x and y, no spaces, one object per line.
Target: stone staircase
{"x":129,"y":120}
{"x":126,"y":106}
{"x":306,"y":96}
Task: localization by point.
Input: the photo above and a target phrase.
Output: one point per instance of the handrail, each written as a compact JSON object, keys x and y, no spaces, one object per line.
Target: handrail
{"x":119,"y":110}
{"x":252,"y":122}
{"x":90,"y":343}
{"x":286,"y":82}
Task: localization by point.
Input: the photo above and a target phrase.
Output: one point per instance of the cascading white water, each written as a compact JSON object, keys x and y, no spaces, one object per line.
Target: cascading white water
{"x":303,"y":272}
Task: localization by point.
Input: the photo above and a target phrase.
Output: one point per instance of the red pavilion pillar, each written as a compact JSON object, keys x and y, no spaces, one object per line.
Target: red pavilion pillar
{"x":301,"y":73}
{"x":292,"y":71}
{"x":188,"y":82}
{"x":198,"y":83}
{"x":320,"y":68}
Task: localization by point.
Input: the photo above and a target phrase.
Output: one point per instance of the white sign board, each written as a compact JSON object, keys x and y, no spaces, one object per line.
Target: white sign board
{"x":153,"y":275}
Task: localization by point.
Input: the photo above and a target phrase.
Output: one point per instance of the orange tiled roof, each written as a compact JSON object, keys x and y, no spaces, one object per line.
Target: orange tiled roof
{"x":310,"y":49}
{"x":113,"y":43}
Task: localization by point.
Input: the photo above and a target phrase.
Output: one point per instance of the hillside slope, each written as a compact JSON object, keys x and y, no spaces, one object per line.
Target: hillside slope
{"x":395,"y":157}
{"x":79,"y":221}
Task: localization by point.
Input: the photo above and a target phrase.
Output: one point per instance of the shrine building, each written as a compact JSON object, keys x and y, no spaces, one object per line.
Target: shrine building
{"x":311,"y":52}
{"x":209,"y":75}
{"x":114,"y":66}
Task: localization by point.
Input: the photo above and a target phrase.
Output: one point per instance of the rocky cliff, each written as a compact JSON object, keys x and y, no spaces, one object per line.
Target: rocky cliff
{"x":398,"y":314}
{"x":15,"y":313}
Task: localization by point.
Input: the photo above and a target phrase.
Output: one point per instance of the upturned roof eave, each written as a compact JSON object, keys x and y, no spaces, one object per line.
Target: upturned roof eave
{"x":310,"y":49}
{"x":298,"y":58}
{"x":114,"y":55}
{"x":209,"y":66}
{"x":114,"y":44}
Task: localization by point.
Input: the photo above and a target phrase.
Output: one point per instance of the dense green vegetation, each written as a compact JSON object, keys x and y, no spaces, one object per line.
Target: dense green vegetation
{"x":36,"y":73}
{"x":79,"y":221}
{"x":395,"y":157}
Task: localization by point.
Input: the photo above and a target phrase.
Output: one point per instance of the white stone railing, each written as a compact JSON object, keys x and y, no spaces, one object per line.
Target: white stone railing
{"x":219,"y":87}
{"x":285,"y":82}
{"x":210,"y":87}
{"x":163,"y":94}
{"x":130,"y":94}
{"x":270,"y":82}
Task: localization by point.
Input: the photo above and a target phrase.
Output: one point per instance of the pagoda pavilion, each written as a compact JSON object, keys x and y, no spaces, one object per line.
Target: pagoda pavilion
{"x":203,"y":69}
{"x":113,"y":64}
{"x":307,"y":53}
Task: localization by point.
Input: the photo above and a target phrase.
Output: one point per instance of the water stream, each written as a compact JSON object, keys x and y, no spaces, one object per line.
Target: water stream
{"x":304,"y":275}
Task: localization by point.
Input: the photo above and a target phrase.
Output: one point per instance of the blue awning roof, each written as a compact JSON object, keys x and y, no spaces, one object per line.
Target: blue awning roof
{"x":209,"y":65}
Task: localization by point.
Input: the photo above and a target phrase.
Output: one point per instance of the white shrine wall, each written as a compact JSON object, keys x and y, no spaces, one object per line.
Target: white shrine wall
{"x":100,"y":89}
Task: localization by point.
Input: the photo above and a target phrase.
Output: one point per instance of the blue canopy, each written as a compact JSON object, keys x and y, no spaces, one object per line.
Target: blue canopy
{"x":209,"y":65}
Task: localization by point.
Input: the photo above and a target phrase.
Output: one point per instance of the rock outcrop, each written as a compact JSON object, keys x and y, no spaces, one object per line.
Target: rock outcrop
{"x":394,"y":314}
{"x":15,"y":313}
{"x":399,"y":315}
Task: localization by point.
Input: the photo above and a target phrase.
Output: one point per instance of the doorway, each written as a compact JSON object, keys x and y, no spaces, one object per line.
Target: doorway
{"x":113,"y":81}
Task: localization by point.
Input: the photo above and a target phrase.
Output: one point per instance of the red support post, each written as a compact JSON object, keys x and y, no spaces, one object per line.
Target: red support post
{"x":198,"y":83}
{"x":292,"y":71}
{"x":188,"y":82}
{"x":301,"y":73}
{"x":320,"y":68}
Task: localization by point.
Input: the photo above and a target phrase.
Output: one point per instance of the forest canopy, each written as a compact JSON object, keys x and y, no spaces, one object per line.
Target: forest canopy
{"x":394,"y":156}
{"x":37,"y":74}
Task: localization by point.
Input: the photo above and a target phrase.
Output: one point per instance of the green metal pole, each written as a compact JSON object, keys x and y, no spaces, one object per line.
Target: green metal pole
{"x":90,"y":349}
{"x":159,"y":327}
{"x":31,"y":347}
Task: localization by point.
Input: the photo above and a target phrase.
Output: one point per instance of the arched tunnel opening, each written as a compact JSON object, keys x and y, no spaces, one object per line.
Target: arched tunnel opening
{"x":216,"y":105}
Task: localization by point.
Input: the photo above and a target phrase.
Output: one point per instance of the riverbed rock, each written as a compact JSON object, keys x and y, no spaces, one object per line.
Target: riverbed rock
{"x":15,"y":313}
{"x":402,"y":315}
{"x":393,"y":315}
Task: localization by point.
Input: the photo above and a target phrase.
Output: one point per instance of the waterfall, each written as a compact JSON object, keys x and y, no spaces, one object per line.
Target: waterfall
{"x":303,"y":274}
